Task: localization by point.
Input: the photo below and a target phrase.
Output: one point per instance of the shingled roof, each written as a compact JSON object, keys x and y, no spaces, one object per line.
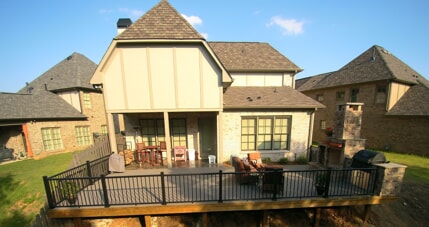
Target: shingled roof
{"x":252,"y":56}
{"x":413,"y":103}
{"x":40,"y":106}
{"x":375,"y":64}
{"x":160,"y":22}
{"x":75,"y":71}
{"x":267,"y":98}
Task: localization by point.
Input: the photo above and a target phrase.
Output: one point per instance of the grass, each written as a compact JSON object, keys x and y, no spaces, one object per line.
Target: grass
{"x":22,"y":193}
{"x":417,"y":166}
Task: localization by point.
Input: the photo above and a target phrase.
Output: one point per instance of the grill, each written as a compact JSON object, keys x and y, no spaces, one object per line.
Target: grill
{"x":366,"y":158}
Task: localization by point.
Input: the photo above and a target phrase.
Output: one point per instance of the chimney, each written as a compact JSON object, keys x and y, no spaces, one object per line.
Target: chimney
{"x":122,"y":24}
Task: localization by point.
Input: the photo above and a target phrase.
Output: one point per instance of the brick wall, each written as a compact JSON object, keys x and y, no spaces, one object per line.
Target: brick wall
{"x":406,"y":134}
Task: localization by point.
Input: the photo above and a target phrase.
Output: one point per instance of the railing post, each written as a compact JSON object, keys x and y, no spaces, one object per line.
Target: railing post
{"x":275,"y":183}
{"x":105,"y":196}
{"x":220,"y":187}
{"x":51,"y":202}
{"x":89,"y":172}
{"x":328,"y":182}
{"x":164,"y":200}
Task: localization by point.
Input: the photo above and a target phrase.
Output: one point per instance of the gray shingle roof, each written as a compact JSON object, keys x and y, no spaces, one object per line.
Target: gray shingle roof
{"x":75,"y":71}
{"x":252,"y":56}
{"x":415,"y":102}
{"x":161,"y":22}
{"x":267,"y":98}
{"x":309,"y":82}
{"x":375,"y":64}
{"x":41,"y":105}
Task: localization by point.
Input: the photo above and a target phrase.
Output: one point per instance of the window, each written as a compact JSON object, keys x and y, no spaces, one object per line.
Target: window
{"x":340,"y":95}
{"x":380,"y":94}
{"x":323,"y":124}
{"x":319,"y":98}
{"x":152,"y":131}
{"x":354,"y":92}
{"x":178,"y":132}
{"x":104,"y":130}
{"x":87,"y":100}
{"x":265,"y":133}
{"x":83,"y":136}
{"x":52,"y":139}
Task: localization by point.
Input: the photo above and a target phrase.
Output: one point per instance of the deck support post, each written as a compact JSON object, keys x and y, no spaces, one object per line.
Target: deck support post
{"x":265,"y":220}
{"x":366,"y":213}
{"x":205,"y":219}
{"x":147,"y":220}
{"x":316,"y":221}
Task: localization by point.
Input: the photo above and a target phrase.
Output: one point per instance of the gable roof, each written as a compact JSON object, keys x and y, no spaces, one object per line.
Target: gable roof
{"x":413,"y":103}
{"x":252,"y":56}
{"x":73,"y":72}
{"x":375,"y":64}
{"x":41,"y":105}
{"x":160,"y":22}
{"x":267,"y":98}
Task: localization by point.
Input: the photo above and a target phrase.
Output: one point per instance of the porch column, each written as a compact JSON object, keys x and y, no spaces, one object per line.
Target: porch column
{"x":167,"y":138}
{"x":219,"y":136}
{"x":112,"y":136}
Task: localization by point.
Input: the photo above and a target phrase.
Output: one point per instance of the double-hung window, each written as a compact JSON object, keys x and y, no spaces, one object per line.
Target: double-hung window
{"x":265,"y":133}
{"x":152,"y":131}
{"x":52,"y":139}
{"x":83,"y":136}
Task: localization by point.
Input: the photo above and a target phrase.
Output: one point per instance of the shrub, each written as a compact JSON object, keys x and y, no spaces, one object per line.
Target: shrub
{"x":266,"y":160}
{"x":301,"y":160}
{"x":283,"y":161}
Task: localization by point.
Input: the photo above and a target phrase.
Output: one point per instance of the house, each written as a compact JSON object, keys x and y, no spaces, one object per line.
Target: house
{"x":58,"y":111}
{"x":162,"y":81}
{"x":394,"y":96}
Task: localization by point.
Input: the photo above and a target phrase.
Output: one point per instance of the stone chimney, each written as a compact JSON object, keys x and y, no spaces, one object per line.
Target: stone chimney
{"x":122,"y":24}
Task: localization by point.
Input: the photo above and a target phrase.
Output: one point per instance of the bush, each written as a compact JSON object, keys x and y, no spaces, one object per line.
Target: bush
{"x":266,"y":160}
{"x":283,"y":161}
{"x":301,"y":160}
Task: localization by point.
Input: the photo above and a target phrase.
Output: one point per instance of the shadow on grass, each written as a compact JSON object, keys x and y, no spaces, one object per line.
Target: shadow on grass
{"x":15,"y":218}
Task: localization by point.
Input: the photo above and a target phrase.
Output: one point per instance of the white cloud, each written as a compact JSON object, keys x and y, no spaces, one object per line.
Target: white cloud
{"x":134,"y":13}
{"x":205,"y":35}
{"x":194,"y":20}
{"x":288,"y":26}
{"x":104,"y":11}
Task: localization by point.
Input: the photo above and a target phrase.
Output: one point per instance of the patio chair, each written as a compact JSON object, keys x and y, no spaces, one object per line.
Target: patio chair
{"x":179,"y":153}
{"x":141,"y":153}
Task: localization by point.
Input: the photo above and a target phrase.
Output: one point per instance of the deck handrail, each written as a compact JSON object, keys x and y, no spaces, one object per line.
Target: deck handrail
{"x":109,"y":190}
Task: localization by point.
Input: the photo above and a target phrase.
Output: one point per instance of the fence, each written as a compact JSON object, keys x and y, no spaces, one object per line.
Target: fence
{"x":100,"y":148}
{"x":218,"y":187}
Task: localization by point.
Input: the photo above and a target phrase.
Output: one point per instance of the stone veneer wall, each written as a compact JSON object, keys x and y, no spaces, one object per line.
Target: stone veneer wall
{"x":389,"y":179}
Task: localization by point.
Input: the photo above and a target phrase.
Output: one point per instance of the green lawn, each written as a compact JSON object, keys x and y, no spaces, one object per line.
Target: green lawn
{"x":417,"y":166}
{"x":22,"y":193}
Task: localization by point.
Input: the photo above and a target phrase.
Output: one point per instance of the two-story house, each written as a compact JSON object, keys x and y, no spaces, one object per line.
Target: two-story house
{"x":58,"y":111}
{"x":162,"y":81}
{"x":394,"y":96}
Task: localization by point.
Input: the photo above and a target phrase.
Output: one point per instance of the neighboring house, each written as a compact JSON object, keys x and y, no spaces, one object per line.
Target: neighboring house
{"x":162,"y":81}
{"x":58,"y":111}
{"x":395,"y":98}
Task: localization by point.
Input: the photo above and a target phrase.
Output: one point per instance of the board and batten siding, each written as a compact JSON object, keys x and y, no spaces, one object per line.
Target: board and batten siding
{"x":162,"y":78}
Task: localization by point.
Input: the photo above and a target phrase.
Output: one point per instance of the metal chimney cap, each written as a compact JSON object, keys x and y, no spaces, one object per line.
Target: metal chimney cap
{"x":124,"y":22}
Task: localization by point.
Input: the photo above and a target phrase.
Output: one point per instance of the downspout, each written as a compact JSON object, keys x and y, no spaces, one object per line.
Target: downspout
{"x":27,"y":141}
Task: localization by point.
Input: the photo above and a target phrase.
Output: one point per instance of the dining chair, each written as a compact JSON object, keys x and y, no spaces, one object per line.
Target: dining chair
{"x":179,"y":153}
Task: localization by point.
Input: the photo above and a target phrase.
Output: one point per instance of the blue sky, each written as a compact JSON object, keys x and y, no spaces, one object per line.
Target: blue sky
{"x":318,"y":36}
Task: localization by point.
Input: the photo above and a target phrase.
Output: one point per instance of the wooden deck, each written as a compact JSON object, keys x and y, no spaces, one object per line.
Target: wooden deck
{"x":138,"y":191}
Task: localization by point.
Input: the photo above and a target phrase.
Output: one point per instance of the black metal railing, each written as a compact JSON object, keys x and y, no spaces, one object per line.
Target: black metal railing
{"x":210,"y":187}
{"x":60,"y":186}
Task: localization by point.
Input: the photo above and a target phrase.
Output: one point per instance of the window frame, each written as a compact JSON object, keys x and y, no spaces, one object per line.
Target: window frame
{"x":265,"y":133}
{"x":54,"y":142}
{"x":86,"y":99}
{"x":83,"y":135}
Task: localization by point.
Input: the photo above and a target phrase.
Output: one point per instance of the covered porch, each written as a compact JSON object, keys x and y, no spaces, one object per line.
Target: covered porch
{"x":197,"y":132}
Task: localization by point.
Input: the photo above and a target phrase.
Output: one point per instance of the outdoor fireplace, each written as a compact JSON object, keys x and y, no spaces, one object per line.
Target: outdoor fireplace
{"x":338,"y":150}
